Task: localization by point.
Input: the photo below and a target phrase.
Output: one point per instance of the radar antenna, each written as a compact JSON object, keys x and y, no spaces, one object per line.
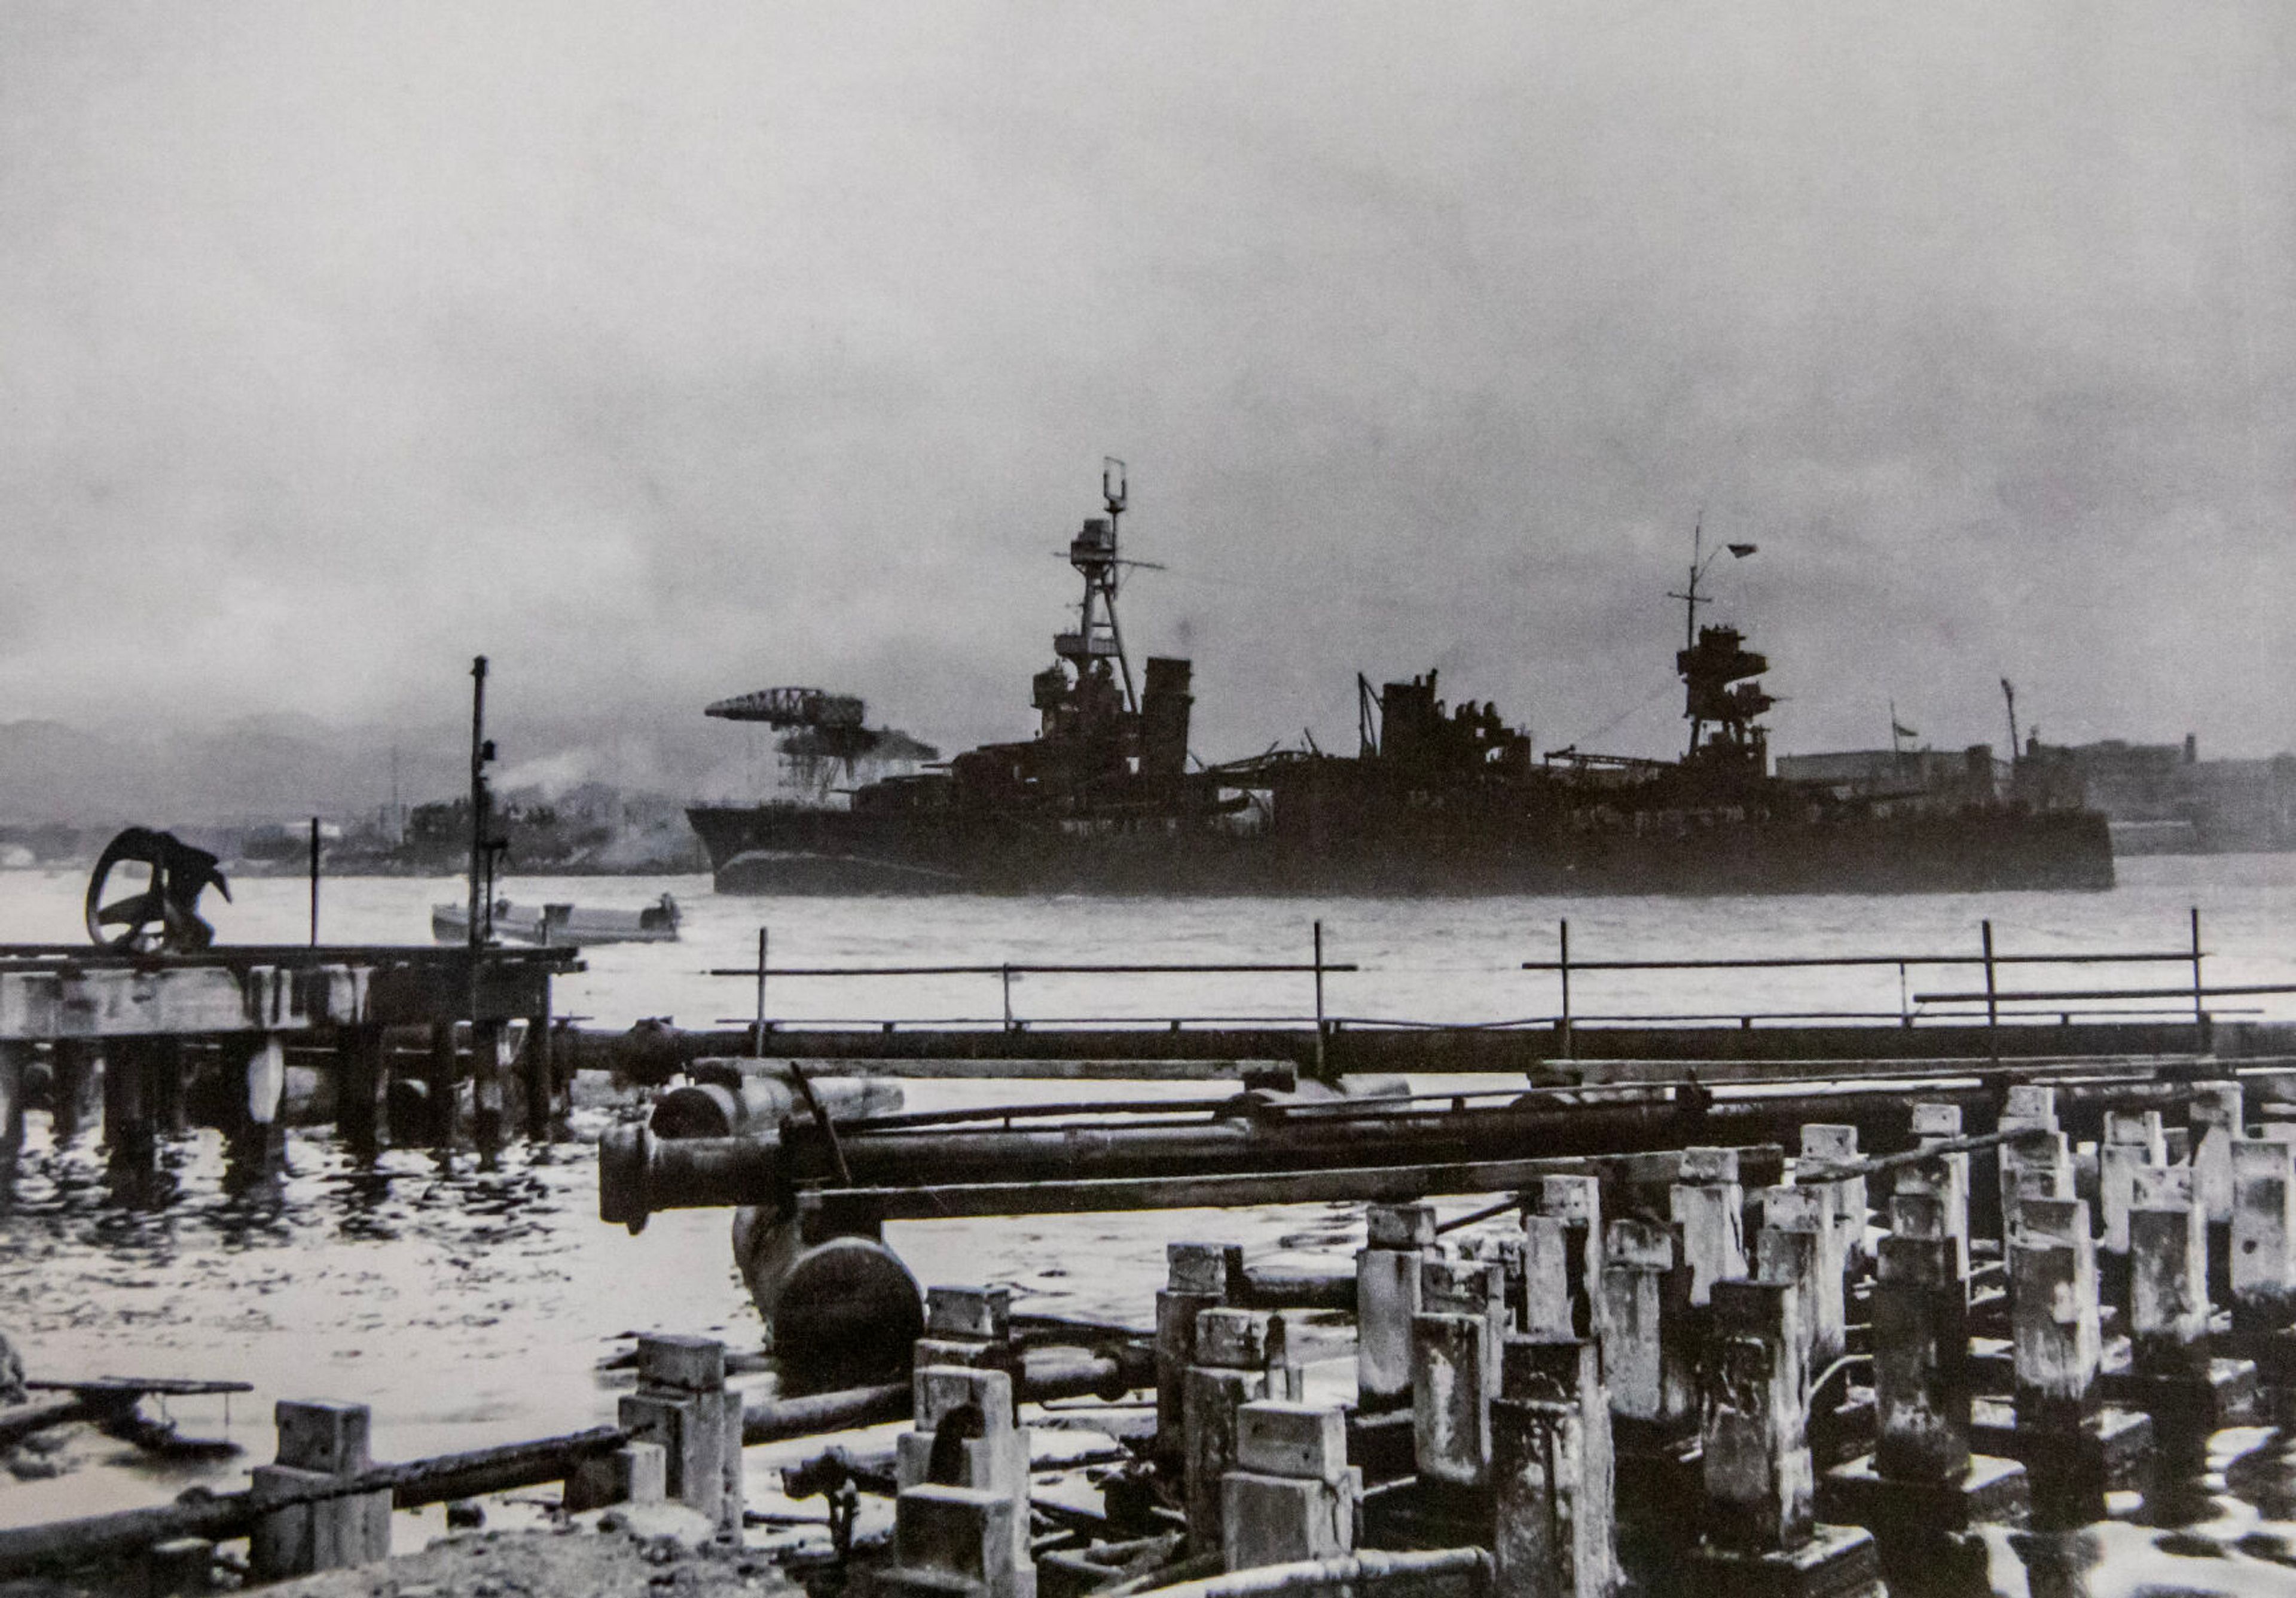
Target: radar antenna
{"x":1092,"y":552}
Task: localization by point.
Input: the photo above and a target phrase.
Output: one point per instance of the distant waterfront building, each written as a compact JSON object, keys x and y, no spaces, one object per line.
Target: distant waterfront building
{"x":2160,"y":798}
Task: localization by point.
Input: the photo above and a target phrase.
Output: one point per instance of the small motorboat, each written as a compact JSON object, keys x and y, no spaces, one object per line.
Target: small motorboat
{"x":562,"y":925}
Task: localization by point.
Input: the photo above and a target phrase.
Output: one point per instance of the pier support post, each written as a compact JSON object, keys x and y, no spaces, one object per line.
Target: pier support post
{"x":1807,"y":1210}
{"x":2171,"y":1377}
{"x":1825,"y":1146}
{"x":1761,"y":1532}
{"x":318,"y":1443}
{"x":1946,"y":1176}
{"x":545,"y":1111}
{"x":74,"y":1073}
{"x":255,"y":1143}
{"x":1234,"y":1349}
{"x":681,"y":1404}
{"x":1198,"y":1275}
{"x":1648,"y":1358}
{"x":1547,"y":1308}
{"x":1453,"y":1380}
{"x":1710,"y":1207}
{"x":1291,"y":1495}
{"x":2263,"y":1233}
{"x":361,"y":1084}
{"x":441,"y":1087}
{"x":1398,"y":1237}
{"x":2214,"y":1118}
{"x":2074,"y":1447}
{"x":488,"y":1099}
{"x":130,"y":1140}
{"x":1469,"y":1287}
{"x":965,"y":1435}
{"x":1577,"y":1202}
{"x":1922,"y":1489}
{"x":13,"y":1058}
{"x":1555,"y":1522}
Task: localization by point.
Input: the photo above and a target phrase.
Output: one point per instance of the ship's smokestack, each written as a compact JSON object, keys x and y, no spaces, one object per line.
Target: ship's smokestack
{"x":1164,"y":706}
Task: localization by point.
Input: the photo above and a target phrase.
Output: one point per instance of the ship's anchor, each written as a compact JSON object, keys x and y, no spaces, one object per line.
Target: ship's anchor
{"x":164,"y":917}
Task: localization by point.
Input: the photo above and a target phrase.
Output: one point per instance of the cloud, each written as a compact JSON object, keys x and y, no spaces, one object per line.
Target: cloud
{"x":665,"y":354}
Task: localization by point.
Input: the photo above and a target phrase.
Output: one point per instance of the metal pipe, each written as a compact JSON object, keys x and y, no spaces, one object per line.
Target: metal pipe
{"x":1245,"y":1159}
{"x":1356,"y":1573}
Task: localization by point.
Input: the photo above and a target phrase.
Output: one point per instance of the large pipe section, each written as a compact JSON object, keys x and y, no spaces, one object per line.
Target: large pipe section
{"x":639,"y":1175}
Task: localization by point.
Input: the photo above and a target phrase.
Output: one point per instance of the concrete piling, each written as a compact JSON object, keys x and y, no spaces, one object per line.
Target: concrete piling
{"x":1232,"y":1354}
{"x":1547,"y":1308}
{"x":1197,"y":1276}
{"x":1806,"y":1212}
{"x":2263,"y":1236}
{"x":318,"y":1443}
{"x":1577,"y":1203}
{"x":1825,"y":1146}
{"x":2172,"y":1375}
{"x":1648,"y":1357}
{"x":362,"y":1090}
{"x":1760,"y":1534}
{"x":1946,"y":1176}
{"x":1453,"y":1357}
{"x":76,"y":1087}
{"x":14,"y":1058}
{"x":1291,"y":1495}
{"x":965,"y":1437}
{"x":1399,"y":1238}
{"x":1555,"y":1514}
{"x":682,"y":1406}
{"x":1708,"y":1205}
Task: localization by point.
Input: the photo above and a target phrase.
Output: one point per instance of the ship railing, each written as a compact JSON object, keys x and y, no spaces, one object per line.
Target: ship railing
{"x":1995,"y":1003}
{"x":2000,"y":1002}
{"x":1004,"y":971}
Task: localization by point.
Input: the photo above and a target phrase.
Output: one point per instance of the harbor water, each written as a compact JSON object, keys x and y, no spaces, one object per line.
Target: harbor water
{"x":471,"y":1308}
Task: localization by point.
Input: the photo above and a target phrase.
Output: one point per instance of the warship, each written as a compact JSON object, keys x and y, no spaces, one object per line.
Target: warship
{"x":1106,"y":798}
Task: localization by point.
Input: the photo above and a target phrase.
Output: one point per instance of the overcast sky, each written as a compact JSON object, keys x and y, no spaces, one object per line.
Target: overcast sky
{"x":665,"y":351}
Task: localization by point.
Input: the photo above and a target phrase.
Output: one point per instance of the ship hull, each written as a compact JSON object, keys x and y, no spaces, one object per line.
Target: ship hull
{"x":790,"y":850}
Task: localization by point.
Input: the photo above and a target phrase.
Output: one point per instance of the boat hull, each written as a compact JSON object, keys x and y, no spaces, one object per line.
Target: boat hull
{"x":790,"y":850}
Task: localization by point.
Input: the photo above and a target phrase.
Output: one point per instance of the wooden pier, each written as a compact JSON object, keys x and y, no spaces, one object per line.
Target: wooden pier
{"x":132,"y":1032}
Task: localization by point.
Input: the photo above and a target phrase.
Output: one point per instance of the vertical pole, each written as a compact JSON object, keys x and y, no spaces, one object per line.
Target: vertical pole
{"x":759,"y":1041}
{"x":1570,"y":1046}
{"x":1992,"y":1005}
{"x":440,"y":1086}
{"x":541,"y":1076}
{"x":480,"y":910}
{"x":1320,"y":1062}
{"x":1005,"y":972}
{"x":315,"y":882}
{"x":1905,"y":1014}
{"x":2200,"y":1010}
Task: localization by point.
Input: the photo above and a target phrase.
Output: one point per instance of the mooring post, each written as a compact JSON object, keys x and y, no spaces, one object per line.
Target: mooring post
{"x":2168,"y":1281}
{"x":362,"y":1084}
{"x":1198,"y":1275}
{"x":1291,"y":1493}
{"x":318,"y":1443}
{"x":1234,"y":1349}
{"x":1397,"y":1237}
{"x":2055,"y":1330}
{"x":1554,"y":1515}
{"x":1709,"y":1203}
